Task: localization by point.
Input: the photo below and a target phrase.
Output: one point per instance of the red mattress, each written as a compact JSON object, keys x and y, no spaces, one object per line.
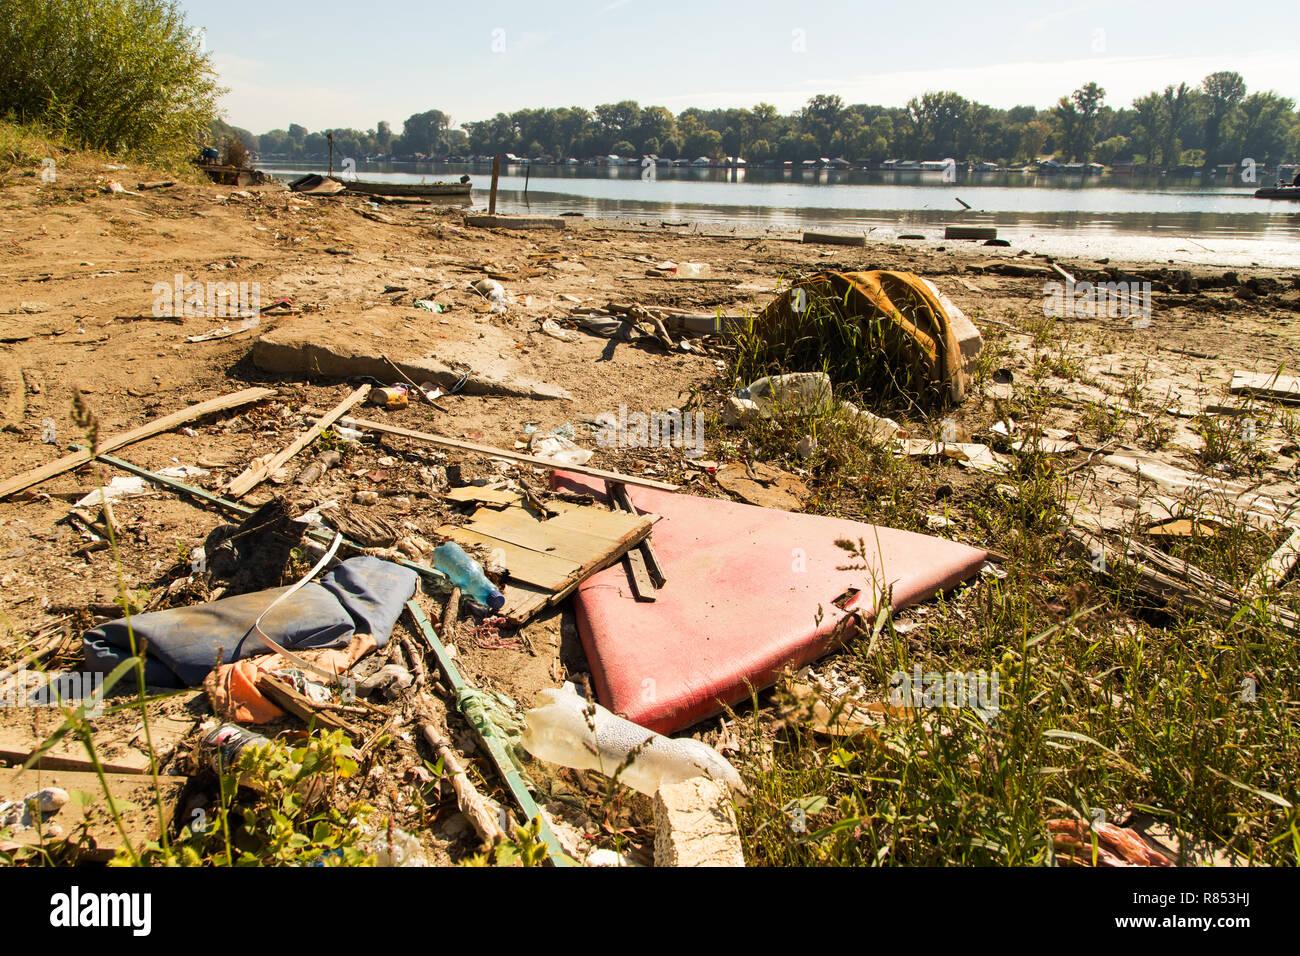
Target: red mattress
{"x":749,"y":591}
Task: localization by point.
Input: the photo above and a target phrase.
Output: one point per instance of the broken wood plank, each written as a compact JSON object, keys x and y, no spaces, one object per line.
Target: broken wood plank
{"x":259,"y":471}
{"x":1278,"y":566}
{"x":476,"y":495}
{"x":114,"y":442}
{"x":1271,"y":385}
{"x":618,"y":493}
{"x":491,"y":452}
{"x":17,"y":747}
{"x":534,"y":567}
{"x":303,"y":707}
{"x":643,"y":588}
{"x":138,"y":799}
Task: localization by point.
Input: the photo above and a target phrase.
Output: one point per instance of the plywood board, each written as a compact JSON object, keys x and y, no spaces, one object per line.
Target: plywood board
{"x":525,"y":564}
{"x":487,"y":496}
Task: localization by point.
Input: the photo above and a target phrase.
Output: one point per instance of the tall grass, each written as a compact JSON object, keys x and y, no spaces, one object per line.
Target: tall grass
{"x":120,"y":75}
{"x":1109,"y":704}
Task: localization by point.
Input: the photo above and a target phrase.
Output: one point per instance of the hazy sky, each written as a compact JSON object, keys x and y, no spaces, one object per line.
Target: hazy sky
{"x":353,"y":64}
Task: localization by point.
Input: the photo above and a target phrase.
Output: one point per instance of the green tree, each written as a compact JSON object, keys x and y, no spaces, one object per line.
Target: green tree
{"x":421,"y":131}
{"x":113,"y":74}
{"x":1224,"y":92}
{"x":1178,"y":106}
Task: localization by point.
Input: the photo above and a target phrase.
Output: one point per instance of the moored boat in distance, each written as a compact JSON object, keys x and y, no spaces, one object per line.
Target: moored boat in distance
{"x":1278,"y":192}
{"x":371,"y":188}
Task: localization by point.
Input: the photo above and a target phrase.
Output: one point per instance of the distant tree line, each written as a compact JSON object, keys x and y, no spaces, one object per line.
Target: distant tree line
{"x":1215,"y":122}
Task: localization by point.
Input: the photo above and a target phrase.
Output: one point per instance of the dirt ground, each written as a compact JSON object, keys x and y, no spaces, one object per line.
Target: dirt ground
{"x":79,"y":266}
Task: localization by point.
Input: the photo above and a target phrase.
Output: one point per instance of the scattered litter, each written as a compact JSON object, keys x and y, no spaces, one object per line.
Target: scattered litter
{"x":552,"y":328}
{"x":558,"y":449}
{"x":565,"y":729}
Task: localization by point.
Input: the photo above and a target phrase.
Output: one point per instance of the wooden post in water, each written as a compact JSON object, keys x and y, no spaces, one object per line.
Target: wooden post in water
{"x":496,"y":171}
{"x":330,"y":137}
{"x":527,"y":172}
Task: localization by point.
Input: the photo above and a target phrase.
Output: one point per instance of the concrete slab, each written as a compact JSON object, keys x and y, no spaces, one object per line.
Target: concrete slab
{"x":424,"y":349}
{"x":499,"y":221}
{"x":695,"y":825}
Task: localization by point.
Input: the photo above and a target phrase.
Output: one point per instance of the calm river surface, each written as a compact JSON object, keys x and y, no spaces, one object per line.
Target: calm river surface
{"x":1145,"y":218}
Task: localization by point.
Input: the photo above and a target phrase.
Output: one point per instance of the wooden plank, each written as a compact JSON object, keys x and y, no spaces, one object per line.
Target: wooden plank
{"x":1270,"y":384}
{"x":615,"y":526}
{"x":834,"y":239}
{"x":166,"y":423}
{"x":17,"y":745}
{"x":136,"y":797}
{"x":491,"y":452}
{"x":259,"y":471}
{"x":1277,"y":567}
{"x":642,"y":587}
{"x":487,"y":496}
{"x":533,"y":567}
{"x":523,"y":601}
{"x":618,"y":494}
{"x":517,"y":525}
{"x":302,"y":707}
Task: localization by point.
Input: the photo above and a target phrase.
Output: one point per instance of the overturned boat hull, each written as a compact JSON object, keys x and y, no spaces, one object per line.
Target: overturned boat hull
{"x":408,"y":189}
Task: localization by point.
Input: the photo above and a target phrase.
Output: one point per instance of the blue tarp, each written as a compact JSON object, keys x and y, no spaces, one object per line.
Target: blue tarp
{"x":361,"y":595}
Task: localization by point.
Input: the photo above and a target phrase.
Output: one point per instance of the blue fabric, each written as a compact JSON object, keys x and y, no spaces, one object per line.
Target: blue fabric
{"x":361,"y":595}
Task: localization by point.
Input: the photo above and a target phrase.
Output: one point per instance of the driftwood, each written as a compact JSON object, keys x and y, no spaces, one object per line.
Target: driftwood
{"x":1173,"y":581}
{"x":471,"y":802}
{"x":491,"y":452}
{"x":259,"y":471}
{"x":155,"y":427}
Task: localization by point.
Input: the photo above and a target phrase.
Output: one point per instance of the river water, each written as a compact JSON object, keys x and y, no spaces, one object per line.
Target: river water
{"x":1124,"y":217}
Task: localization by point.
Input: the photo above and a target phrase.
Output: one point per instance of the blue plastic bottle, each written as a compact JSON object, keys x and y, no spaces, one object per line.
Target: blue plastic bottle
{"x":467,"y":574}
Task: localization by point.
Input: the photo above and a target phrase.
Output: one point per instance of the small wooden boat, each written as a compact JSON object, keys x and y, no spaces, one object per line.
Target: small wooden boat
{"x":407,"y":189}
{"x":1278,"y":192}
{"x":316,"y":185}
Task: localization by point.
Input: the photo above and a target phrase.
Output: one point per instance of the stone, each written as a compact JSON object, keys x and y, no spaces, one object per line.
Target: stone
{"x":695,"y":825}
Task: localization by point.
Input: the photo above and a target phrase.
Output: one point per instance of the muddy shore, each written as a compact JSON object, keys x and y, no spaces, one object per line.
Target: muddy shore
{"x":82,"y":268}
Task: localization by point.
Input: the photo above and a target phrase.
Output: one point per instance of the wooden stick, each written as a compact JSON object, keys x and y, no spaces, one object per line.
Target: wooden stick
{"x":450,"y":613}
{"x":491,"y":452}
{"x":470,"y":801}
{"x":258,"y":471}
{"x":37,"y":655}
{"x":1278,"y":566}
{"x":166,"y":423}
{"x":420,"y":669}
{"x":492,"y":197}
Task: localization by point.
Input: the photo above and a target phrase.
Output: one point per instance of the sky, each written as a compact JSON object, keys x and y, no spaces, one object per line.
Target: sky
{"x":333,"y":64}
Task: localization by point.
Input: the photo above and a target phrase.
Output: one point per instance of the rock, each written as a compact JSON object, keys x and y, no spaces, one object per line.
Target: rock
{"x":740,"y":411}
{"x":696,"y":825}
{"x":807,"y":445}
